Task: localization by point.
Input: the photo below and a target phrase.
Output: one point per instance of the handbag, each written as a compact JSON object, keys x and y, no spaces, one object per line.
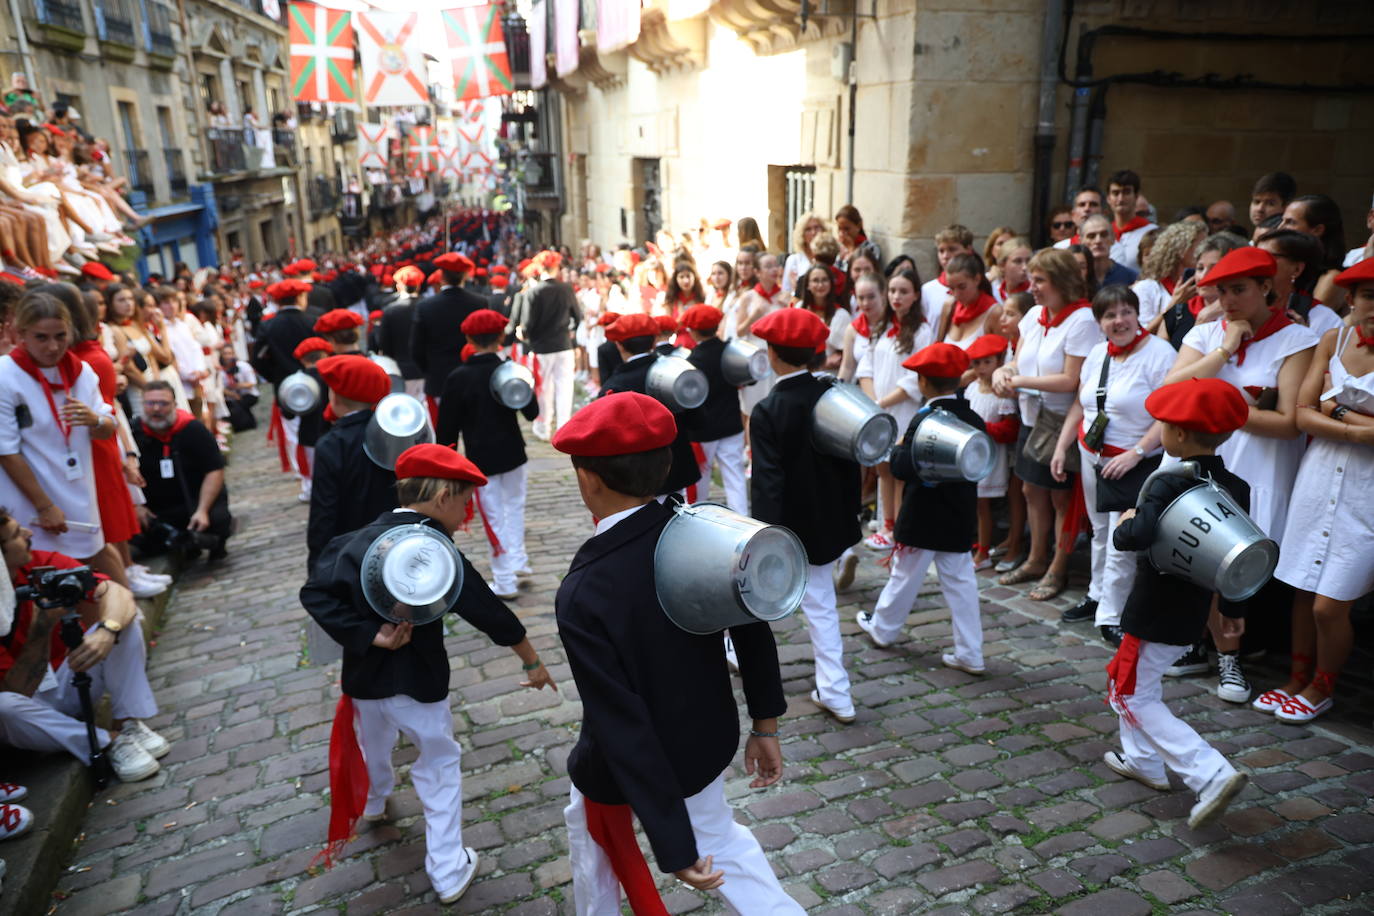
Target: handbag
{"x":1043,"y":438}
{"x":1119,"y":494}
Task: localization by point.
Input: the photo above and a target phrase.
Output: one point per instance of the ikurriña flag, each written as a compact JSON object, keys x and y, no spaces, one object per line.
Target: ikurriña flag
{"x":477,"y":45}
{"x":321,"y":54}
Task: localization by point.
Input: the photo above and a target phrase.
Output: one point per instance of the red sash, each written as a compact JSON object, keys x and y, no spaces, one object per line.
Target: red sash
{"x":1121,"y":677}
{"x":348,"y":783}
{"x":613,"y":830}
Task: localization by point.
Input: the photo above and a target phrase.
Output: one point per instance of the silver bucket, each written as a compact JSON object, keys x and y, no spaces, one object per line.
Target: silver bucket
{"x":946,"y":448}
{"x":393,"y":369}
{"x":847,"y":423}
{"x":714,"y":569}
{"x":742,"y":363}
{"x":1205,"y":537}
{"x":398,"y":422}
{"x":512,"y":385}
{"x":300,"y":392}
{"x":676,"y":383}
{"x":411,"y":574}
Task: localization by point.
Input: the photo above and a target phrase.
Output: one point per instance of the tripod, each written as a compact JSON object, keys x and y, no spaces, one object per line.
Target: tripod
{"x":71,"y":638}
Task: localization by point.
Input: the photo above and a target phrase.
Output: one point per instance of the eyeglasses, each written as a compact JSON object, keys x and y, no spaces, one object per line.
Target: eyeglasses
{"x":1064,"y":225}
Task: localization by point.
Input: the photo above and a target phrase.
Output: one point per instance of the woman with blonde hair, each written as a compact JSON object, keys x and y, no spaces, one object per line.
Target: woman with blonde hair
{"x":808,"y":226}
{"x":1161,"y":285}
{"x":990,"y":250}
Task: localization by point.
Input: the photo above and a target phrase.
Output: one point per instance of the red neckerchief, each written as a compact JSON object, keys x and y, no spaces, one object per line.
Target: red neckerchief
{"x":942,"y":280}
{"x":164,"y":436}
{"x":1277,"y":322}
{"x":1136,"y":222}
{"x":1168,"y":283}
{"x":1002,"y":288}
{"x":860,"y":326}
{"x":1195,"y":305}
{"x":963,"y":314}
{"x":766,"y":293}
{"x":68,"y":368}
{"x":1114,"y":350}
{"x":1363,"y":341}
{"x":1047,"y":322}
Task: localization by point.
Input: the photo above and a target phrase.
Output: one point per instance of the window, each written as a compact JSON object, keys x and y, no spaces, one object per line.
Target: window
{"x":118,"y":21}
{"x":209,"y":89}
{"x":800,"y":193}
{"x":64,"y":13}
{"x":135,"y":157}
{"x":171,"y":154}
{"x":160,"y":29}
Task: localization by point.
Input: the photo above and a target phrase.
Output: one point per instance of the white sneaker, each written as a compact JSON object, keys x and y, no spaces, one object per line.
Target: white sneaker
{"x":950,"y":660}
{"x":130,"y":761}
{"x":524,"y":572}
{"x":156,"y":745}
{"x":1122,"y":767}
{"x":14,"y":821}
{"x":464,"y":882}
{"x":874,"y":524}
{"x":510,"y":595}
{"x":1213,"y":799}
{"x":142,"y":588}
{"x":11,"y":792}
{"x":146,"y":573}
{"x":843,"y":716}
{"x":865,"y":621}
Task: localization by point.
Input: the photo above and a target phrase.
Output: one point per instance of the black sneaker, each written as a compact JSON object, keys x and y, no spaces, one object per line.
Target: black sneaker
{"x":1112,"y":634}
{"x":1194,"y":662}
{"x":1232,"y":685}
{"x":1083,"y":610}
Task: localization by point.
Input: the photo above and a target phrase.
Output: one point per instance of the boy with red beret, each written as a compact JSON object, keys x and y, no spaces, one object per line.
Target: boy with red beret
{"x":799,"y":487}
{"x":340,"y":327}
{"x":1164,"y":614}
{"x":647,"y":744}
{"x":395,"y":677}
{"x":492,"y":440}
{"x":718,"y":427}
{"x":921,"y":541}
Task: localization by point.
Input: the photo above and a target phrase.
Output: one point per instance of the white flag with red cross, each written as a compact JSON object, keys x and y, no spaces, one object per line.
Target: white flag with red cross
{"x":393,"y":59}
{"x":372,"y":145}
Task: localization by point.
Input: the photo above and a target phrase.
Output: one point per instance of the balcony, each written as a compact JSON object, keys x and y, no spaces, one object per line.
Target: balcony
{"x":323,"y":194}
{"x":284,"y":146}
{"x":176,"y":169}
{"x":517,"y":50}
{"x":162,"y":47}
{"x":140,"y":174}
{"x":343,"y":126}
{"x":541,"y":179}
{"x":59,"y":24}
{"x":115,"y":29}
{"x":225,"y":153}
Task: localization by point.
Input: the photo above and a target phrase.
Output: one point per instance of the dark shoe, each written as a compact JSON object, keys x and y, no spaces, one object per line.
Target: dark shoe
{"x":1195,"y":662}
{"x":1083,"y":610}
{"x":1112,"y":635}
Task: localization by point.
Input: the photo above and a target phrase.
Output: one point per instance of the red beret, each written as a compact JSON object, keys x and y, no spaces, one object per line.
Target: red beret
{"x":312,"y":345}
{"x":1205,"y":405}
{"x":305,"y":266}
{"x":1352,"y":277}
{"x":939,"y":360}
{"x":430,"y":459}
{"x":337,"y":320}
{"x":454,"y":263}
{"x":617,"y":424}
{"x":500,"y":269}
{"x":667,"y":324}
{"x":525,"y":263}
{"x":96,"y":271}
{"x":499,"y":281}
{"x":255,"y":283}
{"x":702,"y":318}
{"x":548,"y":260}
{"x":355,"y":377}
{"x":410,"y":276}
{"x":1243,"y":262}
{"x":792,"y":328}
{"x":635,"y":324}
{"x":287,"y":290}
{"x":607,"y":319}
{"x":468,"y":350}
{"x":603,"y":268}
{"x":483,"y":321}
{"x":480,"y":272}
{"x":330,"y":276}
{"x":987,"y":345}
{"x":374,"y":315}
{"x":436,"y":278}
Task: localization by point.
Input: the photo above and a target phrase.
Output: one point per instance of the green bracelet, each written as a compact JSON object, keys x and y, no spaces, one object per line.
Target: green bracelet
{"x":754,"y":733}
{"x":533,"y":665}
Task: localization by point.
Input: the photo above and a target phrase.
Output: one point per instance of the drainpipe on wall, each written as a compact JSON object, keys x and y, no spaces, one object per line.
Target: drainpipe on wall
{"x":853,"y":97}
{"x":24,"y":54}
{"x":1078,"y":125}
{"x":1044,"y":127}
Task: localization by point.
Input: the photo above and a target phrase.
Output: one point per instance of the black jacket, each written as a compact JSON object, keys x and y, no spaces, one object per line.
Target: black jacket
{"x":490,"y":431}
{"x":633,"y":376}
{"x":348,"y":490}
{"x":1162,"y":607}
{"x":548,"y":313}
{"x":608,"y":359}
{"x":436,"y":336}
{"x":720,"y":415}
{"x":659,"y":720}
{"x":938,"y":516}
{"x":794,"y":485}
{"x":334,"y":597}
{"x":393,"y":336}
{"x":277,"y":340}
{"x":319,"y":300}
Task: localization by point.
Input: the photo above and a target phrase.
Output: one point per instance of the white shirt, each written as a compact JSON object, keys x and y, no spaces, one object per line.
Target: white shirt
{"x":1153,"y":298}
{"x":1126,"y":250}
{"x":1042,"y":352}
{"x":1129,"y":383}
{"x":933,"y":296}
{"x":838,"y":322}
{"x":1353,"y":257}
{"x":1321,"y":318}
{"x":615,"y":518}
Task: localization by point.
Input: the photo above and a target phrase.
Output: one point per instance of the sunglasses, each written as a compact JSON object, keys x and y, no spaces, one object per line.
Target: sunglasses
{"x":1065,"y":225}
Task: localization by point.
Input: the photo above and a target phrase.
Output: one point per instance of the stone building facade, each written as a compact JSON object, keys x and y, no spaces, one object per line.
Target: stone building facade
{"x":731,"y":108}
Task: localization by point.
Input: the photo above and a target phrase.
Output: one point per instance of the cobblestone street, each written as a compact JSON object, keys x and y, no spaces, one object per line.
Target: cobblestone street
{"x":951,"y":793}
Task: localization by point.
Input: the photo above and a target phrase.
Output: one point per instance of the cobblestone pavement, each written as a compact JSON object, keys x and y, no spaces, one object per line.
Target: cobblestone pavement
{"x":949,"y":794}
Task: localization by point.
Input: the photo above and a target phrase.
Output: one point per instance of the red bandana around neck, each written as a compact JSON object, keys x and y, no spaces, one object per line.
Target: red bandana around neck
{"x":179,"y":422}
{"x":963,"y":314}
{"x":1195,"y":305}
{"x":1136,"y":222}
{"x":861,"y":326}
{"x":1363,"y":340}
{"x":1048,"y":322}
{"x":766,"y":293}
{"x":1002,"y":288}
{"x":68,"y":369}
{"x":1169,"y":283}
{"x":1277,"y":322}
{"x":1114,"y":350}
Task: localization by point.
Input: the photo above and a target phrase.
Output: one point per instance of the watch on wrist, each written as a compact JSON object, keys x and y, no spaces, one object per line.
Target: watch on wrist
{"x":1140,"y":452}
{"x":114,"y":627}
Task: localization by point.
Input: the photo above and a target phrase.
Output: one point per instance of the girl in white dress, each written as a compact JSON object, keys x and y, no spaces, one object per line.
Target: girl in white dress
{"x":1000,"y":418}
{"x":800,"y":260}
{"x":1013,"y":256}
{"x":861,"y":265}
{"x":1331,"y":515}
{"x":1263,"y":353}
{"x":886,"y":333}
{"x":718,"y":283}
{"x":971,"y":310}
{"x":766,"y":297}
{"x":742,"y":280}
{"x":818,"y":296}
{"x":50,"y":409}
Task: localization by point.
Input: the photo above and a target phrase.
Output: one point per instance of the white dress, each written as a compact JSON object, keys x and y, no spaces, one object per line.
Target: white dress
{"x":750,"y":395}
{"x":44,"y":449}
{"x":979,"y":327}
{"x":933,"y":296}
{"x":794,"y":269}
{"x":1042,"y":351}
{"x":1153,"y":298}
{"x":881,"y":362}
{"x":993,"y":409}
{"x":1331,"y":515}
{"x":1268,"y":465}
{"x":1321,"y":318}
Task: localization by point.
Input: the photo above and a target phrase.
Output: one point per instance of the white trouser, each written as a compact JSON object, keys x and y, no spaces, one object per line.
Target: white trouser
{"x":1113,"y":571}
{"x":437,"y":774}
{"x":959,"y":585}
{"x":503,"y":503}
{"x":59,"y":239}
{"x":1160,"y":739}
{"x":823,"y":626}
{"x":728,"y":453}
{"x":291,"y":434}
{"x":750,"y":886}
{"x":50,"y":720}
{"x":555,"y":389}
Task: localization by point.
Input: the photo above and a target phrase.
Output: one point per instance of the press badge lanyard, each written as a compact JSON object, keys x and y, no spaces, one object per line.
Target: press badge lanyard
{"x":73,"y":466}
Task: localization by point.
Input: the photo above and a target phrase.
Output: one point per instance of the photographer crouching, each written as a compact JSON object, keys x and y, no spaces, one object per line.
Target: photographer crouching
{"x":41,"y":708}
{"x":187,"y":506}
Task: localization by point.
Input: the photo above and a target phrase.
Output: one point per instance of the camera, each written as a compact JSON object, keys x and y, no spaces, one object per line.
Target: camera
{"x":162,"y":537}
{"x":52,"y":587}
